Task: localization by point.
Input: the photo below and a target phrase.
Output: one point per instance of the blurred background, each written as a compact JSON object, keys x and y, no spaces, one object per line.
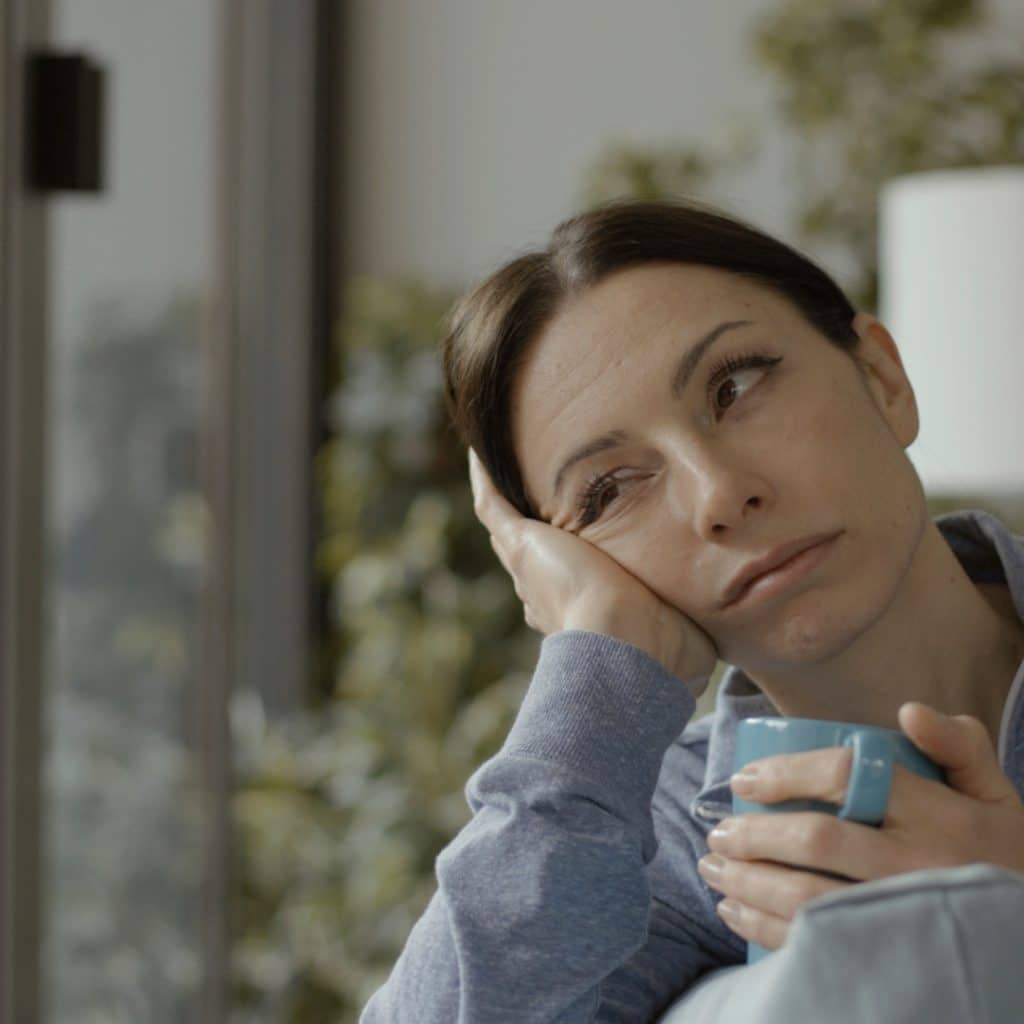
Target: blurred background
{"x":252,"y":641}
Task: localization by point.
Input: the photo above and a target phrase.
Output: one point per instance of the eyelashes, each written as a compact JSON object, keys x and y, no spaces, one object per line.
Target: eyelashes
{"x":595,"y":498}
{"x":728,"y":365}
{"x":600,"y":491}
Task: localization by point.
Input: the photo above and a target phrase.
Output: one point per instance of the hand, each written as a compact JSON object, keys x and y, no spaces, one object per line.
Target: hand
{"x":977,"y":818}
{"x":565,"y":582}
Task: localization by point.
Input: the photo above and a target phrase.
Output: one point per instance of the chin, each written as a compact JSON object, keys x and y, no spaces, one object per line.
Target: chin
{"x":814,"y":637}
{"x":808,"y":631}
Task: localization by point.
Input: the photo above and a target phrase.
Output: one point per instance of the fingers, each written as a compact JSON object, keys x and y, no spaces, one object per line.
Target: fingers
{"x":490,"y":507}
{"x":754,"y":925}
{"x":928,"y":824}
{"x":812,"y":840}
{"x":820,"y":774}
{"x":494,"y":512}
{"x":500,"y":518}
{"x":824,"y":774}
{"x":961,"y":744}
{"x":772,"y":889}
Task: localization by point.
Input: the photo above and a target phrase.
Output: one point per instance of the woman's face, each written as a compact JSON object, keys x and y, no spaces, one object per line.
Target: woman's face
{"x":685,"y":469}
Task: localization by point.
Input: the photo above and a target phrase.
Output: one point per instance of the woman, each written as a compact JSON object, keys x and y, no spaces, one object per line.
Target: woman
{"x":669,"y":404}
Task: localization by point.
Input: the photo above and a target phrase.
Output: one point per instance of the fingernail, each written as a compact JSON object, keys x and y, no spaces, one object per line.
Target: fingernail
{"x":711,"y":866}
{"x":721,"y":830}
{"x":744,"y":782}
{"x":730,"y":910}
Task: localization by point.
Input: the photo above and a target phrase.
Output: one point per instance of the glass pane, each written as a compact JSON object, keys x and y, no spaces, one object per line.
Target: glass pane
{"x":132,"y":274}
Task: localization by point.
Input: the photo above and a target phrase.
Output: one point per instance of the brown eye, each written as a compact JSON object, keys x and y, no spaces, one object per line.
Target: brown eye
{"x":723,"y":374}
{"x":728,"y":386}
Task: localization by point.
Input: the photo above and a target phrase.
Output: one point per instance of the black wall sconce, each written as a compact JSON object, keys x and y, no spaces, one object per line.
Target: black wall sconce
{"x":65,"y":123}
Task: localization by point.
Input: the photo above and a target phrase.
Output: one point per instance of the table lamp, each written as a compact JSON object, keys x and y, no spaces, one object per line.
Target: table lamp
{"x":951,"y":252}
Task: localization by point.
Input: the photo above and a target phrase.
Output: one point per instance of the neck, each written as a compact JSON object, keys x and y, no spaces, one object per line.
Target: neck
{"x":942,"y":640}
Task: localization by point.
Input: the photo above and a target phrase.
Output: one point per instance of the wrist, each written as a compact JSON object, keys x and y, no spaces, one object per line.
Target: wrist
{"x":655,"y":631}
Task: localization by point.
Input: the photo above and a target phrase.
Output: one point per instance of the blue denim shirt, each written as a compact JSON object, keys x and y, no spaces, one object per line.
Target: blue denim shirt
{"x":572,"y":895}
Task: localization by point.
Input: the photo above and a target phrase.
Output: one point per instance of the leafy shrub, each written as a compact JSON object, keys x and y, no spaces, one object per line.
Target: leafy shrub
{"x":342,"y":810}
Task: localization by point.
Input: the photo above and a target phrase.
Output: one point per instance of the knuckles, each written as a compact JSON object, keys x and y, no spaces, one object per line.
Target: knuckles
{"x":799,"y":889}
{"x":842,"y":765}
{"x":819,"y":837}
{"x":977,"y":734}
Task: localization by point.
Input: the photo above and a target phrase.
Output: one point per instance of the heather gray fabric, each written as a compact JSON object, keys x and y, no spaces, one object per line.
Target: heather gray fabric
{"x":572,"y":895}
{"x":942,"y":946}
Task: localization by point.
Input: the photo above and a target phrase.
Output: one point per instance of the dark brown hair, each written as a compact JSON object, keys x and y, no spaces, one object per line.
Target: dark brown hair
{"x":490,"y":329}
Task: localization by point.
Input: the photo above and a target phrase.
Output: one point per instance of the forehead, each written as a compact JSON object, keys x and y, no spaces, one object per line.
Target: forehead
{"x":631,"y":311}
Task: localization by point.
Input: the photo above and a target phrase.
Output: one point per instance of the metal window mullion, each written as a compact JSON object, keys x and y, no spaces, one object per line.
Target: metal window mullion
{"x":217,"y":458}
{"x":23,"y":348}
{"x":269,"y":317}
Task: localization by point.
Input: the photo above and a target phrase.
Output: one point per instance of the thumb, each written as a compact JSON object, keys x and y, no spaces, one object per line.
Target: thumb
{"x":962,"y":746}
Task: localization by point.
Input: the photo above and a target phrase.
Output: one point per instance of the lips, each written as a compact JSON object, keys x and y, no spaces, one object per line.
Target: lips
{"x":770,"y":562}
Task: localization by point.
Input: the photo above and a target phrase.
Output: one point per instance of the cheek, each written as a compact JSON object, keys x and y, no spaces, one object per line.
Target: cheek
{"x":864,"y":467}
{"x":841,"y":448}
{"x":656,"y":557}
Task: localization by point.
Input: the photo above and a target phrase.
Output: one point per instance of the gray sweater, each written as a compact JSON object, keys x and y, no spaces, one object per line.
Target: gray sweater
{"x":573,"y":895}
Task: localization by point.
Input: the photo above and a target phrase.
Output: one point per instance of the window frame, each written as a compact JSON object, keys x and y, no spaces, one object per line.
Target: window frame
{"x":275,"y":250}
{"x":23,"y":256}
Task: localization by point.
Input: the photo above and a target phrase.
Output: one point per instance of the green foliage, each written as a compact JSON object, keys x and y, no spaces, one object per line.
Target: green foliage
{"x":868,"y":91}
{"x":124,"y":800}
{"x":623,"y":170}
{"x":341,"y":811}
{"x":875,"y":90}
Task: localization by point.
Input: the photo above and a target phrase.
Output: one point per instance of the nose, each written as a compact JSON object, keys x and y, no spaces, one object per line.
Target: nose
{"x":714,"y":490}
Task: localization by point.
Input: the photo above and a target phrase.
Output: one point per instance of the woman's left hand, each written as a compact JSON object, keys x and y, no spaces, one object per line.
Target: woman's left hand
{"x":977,"y":818}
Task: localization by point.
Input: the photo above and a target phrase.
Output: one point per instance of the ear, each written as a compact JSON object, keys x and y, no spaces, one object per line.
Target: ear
{"x":885,"y":379}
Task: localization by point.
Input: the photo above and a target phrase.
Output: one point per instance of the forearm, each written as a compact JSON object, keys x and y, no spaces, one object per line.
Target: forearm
{"x":545,"y":892}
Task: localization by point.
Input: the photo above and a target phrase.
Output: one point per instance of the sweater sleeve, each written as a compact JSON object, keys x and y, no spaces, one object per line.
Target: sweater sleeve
{"x":546,"y":892}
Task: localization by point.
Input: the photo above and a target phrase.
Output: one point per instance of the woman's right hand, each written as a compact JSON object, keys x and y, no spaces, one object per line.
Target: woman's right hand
{"x":565,"y":582}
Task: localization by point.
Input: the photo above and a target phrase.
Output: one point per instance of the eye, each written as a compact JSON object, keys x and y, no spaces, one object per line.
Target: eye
{"x":603,"y":490}
{"x":723,"y":372}
{"x":598,"y":493}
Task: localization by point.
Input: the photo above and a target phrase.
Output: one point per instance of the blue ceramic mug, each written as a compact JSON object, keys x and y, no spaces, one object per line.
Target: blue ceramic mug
{"x":867,"y":793}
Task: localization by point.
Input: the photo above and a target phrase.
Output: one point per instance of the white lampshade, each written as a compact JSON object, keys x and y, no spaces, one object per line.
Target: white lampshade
{"x":952,"y":280}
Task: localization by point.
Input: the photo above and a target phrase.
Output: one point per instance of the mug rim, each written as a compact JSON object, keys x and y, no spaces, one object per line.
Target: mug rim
{"x":757,"y":719}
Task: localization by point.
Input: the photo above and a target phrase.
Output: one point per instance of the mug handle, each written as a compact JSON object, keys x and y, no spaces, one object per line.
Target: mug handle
{"x":867,"y":792}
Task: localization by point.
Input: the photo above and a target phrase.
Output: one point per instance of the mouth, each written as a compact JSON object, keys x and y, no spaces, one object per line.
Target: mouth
{"x":784,"y":568}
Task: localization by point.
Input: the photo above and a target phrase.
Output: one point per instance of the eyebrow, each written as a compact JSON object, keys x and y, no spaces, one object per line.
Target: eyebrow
{"x":680,"y":380}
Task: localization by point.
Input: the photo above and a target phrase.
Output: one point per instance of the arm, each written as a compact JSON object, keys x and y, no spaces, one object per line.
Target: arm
{"x":546,"y":893}
{"x":939,"y":945}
